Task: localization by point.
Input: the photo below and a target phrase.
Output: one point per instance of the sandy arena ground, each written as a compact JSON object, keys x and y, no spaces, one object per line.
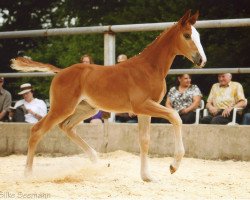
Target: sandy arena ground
{"x":116,"y":176}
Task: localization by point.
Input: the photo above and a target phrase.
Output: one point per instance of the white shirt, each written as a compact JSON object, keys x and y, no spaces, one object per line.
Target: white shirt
{"x":36,"y":105}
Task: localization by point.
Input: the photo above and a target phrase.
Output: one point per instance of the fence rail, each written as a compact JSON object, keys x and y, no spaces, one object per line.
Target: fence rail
{"x":222,"y":23}
{"x":171,"y":71}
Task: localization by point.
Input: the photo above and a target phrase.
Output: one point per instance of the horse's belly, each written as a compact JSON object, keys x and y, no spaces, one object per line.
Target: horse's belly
{"x":110,"y":104}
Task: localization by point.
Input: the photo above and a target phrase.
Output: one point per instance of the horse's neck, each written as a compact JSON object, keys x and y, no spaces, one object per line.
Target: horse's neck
{"x":160,"y":54}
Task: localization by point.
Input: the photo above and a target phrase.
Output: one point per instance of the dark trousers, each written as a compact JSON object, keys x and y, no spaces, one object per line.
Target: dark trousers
{"x":219,"y":119}
{"x":5,"y":118}
{"x":188,"y":118}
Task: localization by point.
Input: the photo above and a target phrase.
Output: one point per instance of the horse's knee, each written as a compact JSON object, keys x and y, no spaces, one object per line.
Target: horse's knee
{"x":176,"y":119}
{"x":179,"y":121}
{"x":65,"y":125}
{"x":68,"y":129}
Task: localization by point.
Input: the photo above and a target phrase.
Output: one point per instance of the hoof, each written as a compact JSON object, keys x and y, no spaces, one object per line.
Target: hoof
{"x":172,"y":169}
{"x":93,"y":157}
{"x":147,"y":178}
{"x":27,"y":173}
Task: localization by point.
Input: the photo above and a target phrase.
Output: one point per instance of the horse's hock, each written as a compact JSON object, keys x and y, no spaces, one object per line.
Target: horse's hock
{"x":200,"y":141}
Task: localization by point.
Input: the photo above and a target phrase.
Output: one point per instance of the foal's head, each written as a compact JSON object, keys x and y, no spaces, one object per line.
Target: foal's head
{"x":188,"y":40}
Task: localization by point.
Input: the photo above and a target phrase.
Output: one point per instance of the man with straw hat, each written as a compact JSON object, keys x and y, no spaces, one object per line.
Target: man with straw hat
{"x":35,"y":109}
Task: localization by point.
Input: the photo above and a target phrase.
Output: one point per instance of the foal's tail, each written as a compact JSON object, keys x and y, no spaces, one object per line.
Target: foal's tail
{"x":28,"y":65}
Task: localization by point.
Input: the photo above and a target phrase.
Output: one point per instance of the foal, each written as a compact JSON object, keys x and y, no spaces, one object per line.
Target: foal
{"x":136,"y":85}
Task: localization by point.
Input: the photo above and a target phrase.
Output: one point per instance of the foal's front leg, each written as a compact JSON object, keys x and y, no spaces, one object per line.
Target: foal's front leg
{"x":154,"y":109}
{"x":144,"y":139}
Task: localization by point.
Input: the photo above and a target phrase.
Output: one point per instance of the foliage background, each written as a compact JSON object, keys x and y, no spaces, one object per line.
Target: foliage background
{"x":226,"y":47}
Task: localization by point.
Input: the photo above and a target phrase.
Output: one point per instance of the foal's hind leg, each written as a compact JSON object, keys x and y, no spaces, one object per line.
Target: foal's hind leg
{"x":37,"y":132}
{"x":82,"y":111}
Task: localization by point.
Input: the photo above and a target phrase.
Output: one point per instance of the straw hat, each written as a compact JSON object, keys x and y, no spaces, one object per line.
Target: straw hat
{"x":26,"y":87}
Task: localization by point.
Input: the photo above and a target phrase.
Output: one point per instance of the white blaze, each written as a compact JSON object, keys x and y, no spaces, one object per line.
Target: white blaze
{"x":196,"y":38}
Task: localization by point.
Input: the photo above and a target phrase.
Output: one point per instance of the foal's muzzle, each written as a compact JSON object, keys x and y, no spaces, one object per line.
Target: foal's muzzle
{"x":197,"y":59}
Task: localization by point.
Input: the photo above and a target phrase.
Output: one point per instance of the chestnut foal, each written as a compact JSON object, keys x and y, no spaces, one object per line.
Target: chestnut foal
{"x":136,"y":85}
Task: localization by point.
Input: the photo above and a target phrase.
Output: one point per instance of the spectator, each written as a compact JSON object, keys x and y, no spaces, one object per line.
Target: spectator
{"x":33,"y":109}
{"x":223,"y":97}
{"x":87,"y":59}
{"x":5,"y":101}
{"x":96,"y":119}
{"x":125,"y":117}
{"x":184,"y":98}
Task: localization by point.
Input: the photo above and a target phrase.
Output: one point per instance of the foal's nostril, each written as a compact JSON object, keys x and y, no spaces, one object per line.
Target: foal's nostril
{"x":200,"y":61}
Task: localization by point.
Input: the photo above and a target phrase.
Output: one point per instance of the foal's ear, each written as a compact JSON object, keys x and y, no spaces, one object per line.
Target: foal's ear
{"x":194,"y":18}
{"x":185,"y":18}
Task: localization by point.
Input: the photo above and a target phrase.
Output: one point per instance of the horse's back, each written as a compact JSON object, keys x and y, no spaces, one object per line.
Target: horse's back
{"x":101,"y":86}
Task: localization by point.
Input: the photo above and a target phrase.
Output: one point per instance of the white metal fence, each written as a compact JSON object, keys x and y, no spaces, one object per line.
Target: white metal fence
{"x":109,"y":41}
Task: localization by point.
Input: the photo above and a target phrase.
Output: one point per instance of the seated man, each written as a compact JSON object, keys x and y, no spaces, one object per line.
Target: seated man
{"x":33,"y":109}
{"x":223,"y":97}
{"x":5,"y":101}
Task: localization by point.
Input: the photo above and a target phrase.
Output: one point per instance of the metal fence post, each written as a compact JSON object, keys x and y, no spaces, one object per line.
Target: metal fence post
{"x":109,"y":55}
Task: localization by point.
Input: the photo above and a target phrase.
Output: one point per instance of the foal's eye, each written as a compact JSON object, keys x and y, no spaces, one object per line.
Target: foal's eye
{"x":187,"y":36}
